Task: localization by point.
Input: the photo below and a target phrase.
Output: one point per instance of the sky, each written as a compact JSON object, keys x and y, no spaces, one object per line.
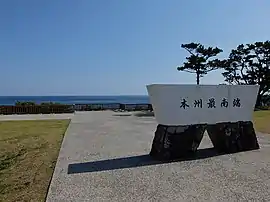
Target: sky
{"x":116,"y":47}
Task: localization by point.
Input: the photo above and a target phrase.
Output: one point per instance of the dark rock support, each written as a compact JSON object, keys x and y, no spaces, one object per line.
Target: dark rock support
{"x":233,"y":137}
{"x":171,"y":142}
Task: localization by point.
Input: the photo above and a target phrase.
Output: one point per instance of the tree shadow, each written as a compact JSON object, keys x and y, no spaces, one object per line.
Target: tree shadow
{"x":132,"y":162}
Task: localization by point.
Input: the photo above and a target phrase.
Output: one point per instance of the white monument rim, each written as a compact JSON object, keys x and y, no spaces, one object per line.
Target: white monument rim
{"x":186,"y":104}
{"x":165,"y":84}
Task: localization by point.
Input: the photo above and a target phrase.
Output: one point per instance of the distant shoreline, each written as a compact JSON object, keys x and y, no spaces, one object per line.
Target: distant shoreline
{"x":73,"y":95}
{"x":70,"y":100}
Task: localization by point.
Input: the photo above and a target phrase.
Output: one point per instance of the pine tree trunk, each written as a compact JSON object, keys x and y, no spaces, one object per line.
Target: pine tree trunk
{"x":259,"y":101}
{"x":198,"y":78}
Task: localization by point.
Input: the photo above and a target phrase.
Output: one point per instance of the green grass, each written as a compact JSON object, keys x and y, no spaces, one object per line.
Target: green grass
{"x":28,"y":153}
{"x":262,"y":121}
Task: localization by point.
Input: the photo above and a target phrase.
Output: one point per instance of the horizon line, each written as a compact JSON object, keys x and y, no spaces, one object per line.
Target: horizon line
{"x":67,"y":95}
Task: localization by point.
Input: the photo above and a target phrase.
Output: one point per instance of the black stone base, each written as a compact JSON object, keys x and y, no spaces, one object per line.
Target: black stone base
{"x":172,"y":142}
{"x":233,"y":137}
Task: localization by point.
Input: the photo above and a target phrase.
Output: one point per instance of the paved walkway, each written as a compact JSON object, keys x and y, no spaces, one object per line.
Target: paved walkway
{"x":104,"y":158}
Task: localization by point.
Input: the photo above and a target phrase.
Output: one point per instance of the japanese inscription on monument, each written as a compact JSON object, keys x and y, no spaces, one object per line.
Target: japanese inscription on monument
{"x":211,"y":103}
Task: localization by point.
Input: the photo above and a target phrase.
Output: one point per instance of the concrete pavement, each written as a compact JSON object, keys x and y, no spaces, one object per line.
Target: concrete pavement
{"x":105,"y":158}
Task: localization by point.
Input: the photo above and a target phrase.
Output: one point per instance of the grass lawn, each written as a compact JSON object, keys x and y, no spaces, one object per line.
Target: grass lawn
{"x":262,"y":121}
{"x":28,"y":153}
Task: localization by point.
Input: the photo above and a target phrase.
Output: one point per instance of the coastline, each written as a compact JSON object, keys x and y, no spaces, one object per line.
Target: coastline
{"x":71,"y":100}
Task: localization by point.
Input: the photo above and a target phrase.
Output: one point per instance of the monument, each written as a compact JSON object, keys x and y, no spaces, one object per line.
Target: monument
{"x":184,"y":112}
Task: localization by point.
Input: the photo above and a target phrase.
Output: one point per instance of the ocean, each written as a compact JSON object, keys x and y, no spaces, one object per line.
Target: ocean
{"x":133,"y":99}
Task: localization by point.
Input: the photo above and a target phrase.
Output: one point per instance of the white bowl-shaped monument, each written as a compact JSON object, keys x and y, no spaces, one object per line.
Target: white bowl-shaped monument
{"x":176,"y":104}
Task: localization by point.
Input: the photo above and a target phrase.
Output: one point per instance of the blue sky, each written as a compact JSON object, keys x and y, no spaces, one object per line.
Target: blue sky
{"x":116,"y":47}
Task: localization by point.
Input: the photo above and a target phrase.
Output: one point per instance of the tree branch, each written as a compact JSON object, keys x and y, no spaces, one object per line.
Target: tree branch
{"x":260,"y":68}
{"x":211,"y":69}
{"x":185,"y":70}
{"x":242,"y":73}
{"x":189,"y":51}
